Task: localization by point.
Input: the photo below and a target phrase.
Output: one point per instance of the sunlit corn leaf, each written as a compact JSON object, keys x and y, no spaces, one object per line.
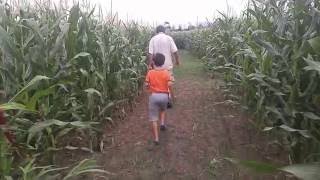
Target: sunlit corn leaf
{"x":247,"y":52}
{"x":15,"y":106}
{"x":304,"y":171}
{"x":82,"y":54}
{"x":33,"y":82}
{"x":39,"y":94}
{"x":82,"y":124}
{"x":85,"y":166}
{"x":8,"y":178}
{"x":255,"y":166}
{"x":315,"y":44}
{"x":311,"y":116}
{"x":46,"y":171}
{"x":312,"y":65}
{"x":93,"y":91}
{"x":40,"y":126}
{"x":304,"y":133}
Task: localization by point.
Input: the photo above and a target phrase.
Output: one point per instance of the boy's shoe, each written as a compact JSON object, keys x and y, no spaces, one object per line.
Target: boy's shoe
{"x":152,"y":145}
{"x":169,"y":106}
{"x":162,"y":127}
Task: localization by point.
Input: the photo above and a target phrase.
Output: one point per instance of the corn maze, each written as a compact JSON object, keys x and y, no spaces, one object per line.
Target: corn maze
{"x":64,"y":72}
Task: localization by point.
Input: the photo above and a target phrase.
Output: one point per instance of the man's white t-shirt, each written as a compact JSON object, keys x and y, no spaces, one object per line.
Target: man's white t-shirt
{"x":164,"y":44}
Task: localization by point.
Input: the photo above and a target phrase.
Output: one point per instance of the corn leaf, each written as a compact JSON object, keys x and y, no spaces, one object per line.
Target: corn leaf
{"x":15,"y":106}
{"x":255,"y":166}
{"x":7,"y":44}
{"x":40,"y":126}
{"x":315,"y":44}
{"x":312,"y":65}
{"x":32,"y":83}
{"x":304,"y":171}
{"x":85,"y":166}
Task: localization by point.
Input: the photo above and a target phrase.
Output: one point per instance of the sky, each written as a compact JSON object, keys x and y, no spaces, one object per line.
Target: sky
{"x":176,"y":12}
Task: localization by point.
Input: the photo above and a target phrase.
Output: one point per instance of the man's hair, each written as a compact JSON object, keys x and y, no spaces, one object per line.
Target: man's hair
{"x":160,"y":28}
{"x":159,"y":59}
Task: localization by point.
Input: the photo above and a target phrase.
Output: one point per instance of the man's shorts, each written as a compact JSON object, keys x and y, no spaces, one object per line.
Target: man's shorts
{"x":157,"y":102}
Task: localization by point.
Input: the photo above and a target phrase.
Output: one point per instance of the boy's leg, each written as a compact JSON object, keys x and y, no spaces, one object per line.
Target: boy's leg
{"x":153,"y":117}
{"x":155,"y":131}
{"x":162,"y":113}
{"x":162,"y":117}
{"x":162,"y":120}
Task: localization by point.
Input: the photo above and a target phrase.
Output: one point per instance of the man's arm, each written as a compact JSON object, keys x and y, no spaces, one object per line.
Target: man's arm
{"x":174,"y":51}
{"x":177,"y":58}
{"x":150,"y":54}
{"x":150,"y":61}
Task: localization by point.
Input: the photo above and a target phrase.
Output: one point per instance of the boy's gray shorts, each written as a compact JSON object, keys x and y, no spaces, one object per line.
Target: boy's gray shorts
{"x":157,"y":102}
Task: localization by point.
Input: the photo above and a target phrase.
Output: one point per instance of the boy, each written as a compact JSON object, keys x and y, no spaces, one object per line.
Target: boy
{"x":158,"y":81}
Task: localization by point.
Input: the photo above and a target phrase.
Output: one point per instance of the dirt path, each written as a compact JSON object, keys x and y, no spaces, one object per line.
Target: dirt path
{"x":202,"y":129}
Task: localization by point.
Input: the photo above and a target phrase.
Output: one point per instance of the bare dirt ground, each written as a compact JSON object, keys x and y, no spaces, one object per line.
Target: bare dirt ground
{"x":203,"y":129}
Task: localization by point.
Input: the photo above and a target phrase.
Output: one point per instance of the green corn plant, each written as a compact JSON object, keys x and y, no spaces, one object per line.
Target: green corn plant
{"x":269,"y":57}
{"x":83,"y":167}
{"x":5,"y":157}
{"x":302,"y":171}
{"x":62,"y":70}
{"x":30,"y":171}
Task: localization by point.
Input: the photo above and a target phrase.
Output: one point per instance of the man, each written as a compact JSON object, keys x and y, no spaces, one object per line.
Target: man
{"x":164,"y":44}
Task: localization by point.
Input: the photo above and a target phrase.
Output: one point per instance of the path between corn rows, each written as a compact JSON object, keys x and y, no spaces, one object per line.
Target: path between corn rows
{"x":201,"y":131}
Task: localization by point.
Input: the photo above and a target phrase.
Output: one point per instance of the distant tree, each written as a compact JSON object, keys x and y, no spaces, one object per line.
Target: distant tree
{"x":191,"y":27}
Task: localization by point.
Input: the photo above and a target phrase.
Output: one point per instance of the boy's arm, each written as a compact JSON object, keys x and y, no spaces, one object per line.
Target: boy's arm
{"x":170,"y":83}
{"x":171,"y":90}
{"x":146,"y":84}
{"x":147,"y":81}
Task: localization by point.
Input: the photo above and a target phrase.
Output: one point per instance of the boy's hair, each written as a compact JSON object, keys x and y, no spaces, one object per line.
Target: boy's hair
{"x":160,"y":28}
{"x":159,"y":59}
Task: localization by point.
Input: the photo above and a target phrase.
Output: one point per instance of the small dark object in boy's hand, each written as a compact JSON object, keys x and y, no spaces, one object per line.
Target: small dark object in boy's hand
{"x":169,"y":106}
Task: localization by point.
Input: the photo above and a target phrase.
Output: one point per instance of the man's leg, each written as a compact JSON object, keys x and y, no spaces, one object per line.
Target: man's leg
{"x":171,"y":91}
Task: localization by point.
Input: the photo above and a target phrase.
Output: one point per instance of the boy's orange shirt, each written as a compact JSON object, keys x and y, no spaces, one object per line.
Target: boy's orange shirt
{"x":158,"y":80}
